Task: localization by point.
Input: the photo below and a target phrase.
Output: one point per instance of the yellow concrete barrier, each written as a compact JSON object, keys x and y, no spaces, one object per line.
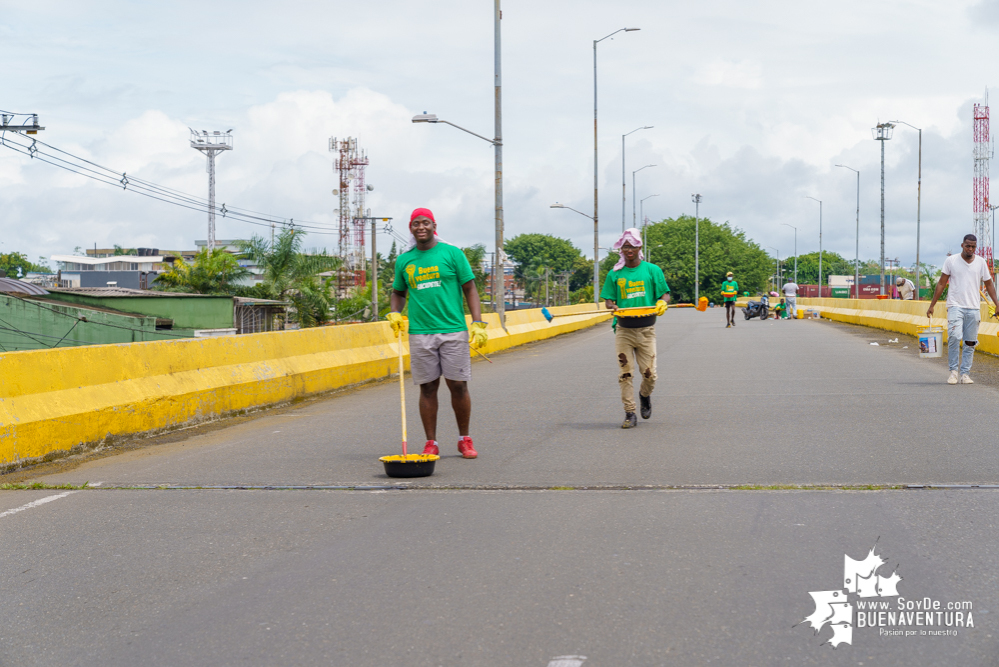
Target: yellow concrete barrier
{"x":900,"y":316}
{"x":56,"y":400}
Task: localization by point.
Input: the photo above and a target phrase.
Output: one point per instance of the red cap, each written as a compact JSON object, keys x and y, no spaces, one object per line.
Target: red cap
{"x":426,"y":212}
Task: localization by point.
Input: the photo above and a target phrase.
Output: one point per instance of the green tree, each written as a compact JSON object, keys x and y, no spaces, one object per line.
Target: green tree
{"x":524,"y":250}
{"x":722,"y":248}
{"x":476,"y":255}
{"x":119,"y":251}
{"x":215,"y":273}
{"x":17,"y":264}
{"x":833,"y":264}
{"x":291,"y":275}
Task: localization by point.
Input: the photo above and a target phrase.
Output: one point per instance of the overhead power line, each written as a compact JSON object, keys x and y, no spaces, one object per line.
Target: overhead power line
{"x":39,"y":150}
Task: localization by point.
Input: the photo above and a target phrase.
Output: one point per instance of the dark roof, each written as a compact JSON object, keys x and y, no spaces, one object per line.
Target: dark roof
{"x":14,"y":286}
{"x":125,"y":291}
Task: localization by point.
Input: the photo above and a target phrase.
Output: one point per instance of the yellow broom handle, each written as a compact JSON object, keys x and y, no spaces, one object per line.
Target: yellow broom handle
{"x":402,"y":396}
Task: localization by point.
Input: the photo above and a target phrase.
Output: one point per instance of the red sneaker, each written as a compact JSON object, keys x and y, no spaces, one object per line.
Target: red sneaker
{"x":466,"y":448}
{"x":431,"y":448}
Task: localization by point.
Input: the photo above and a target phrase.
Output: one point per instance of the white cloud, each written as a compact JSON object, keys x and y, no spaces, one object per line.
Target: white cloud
{"x":740,"y":74}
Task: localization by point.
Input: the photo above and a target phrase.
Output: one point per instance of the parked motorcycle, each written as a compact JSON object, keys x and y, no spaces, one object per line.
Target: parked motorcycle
{"x":758,"y":309}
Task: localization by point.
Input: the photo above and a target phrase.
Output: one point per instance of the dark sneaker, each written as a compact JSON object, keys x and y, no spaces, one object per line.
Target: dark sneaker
{"x":646,"y":402}
{"x":728,"y":325}
{"x":466,"y":448}
{"x":431,"y":448}
{"x":630,"y":420}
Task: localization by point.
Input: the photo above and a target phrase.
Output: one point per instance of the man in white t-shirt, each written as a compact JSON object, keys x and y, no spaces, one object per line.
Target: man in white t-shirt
{"x":963,"y":274}
{"x":790,"y":290}
{"x":905,"y":288}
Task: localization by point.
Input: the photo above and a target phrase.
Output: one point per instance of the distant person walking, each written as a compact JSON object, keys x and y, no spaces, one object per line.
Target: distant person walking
{"x":963,"y":275}
{"x":790,"y":290}
{"x":730,"y":292}
{"x":435,"y":277}
{"x":635,"y":283}
{"x":905,"y":288}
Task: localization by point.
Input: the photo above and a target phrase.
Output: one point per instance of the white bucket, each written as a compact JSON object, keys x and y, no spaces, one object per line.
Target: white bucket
{"x":930,"y":341}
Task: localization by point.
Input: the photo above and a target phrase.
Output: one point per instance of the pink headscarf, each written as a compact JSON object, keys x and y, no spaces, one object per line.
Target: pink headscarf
{"x":632,"y":236}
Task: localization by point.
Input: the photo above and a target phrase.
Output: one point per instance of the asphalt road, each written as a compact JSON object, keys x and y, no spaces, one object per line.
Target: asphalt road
{"x":494,"y":571}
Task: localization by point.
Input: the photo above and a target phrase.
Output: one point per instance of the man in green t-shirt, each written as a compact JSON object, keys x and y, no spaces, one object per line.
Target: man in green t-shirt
{"x":436,"y":277}
{"x":730,"y":292}
{"x":634,"y":283}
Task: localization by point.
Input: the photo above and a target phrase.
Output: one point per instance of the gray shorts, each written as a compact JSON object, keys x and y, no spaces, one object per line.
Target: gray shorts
{"x":433,"y":355}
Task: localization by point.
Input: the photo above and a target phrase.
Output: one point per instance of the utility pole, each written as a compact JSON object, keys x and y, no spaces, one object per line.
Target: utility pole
{"x":211,"y":145}
{"x":374,"y":273}
{"x":499,"y":306}
{"x":697,"y":247}
{"x":820,"y":242}
{"x":882,"y":132}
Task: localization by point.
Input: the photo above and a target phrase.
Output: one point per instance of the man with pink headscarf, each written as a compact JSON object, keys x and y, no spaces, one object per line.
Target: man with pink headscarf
{"x":635,"y":283}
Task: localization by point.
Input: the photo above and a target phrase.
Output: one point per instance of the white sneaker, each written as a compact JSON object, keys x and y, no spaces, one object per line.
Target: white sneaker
{"x":953,"y":378}
{"x":965,"y":379}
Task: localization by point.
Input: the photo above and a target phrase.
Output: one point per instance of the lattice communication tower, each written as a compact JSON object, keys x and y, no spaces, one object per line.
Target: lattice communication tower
{"x":351,"y":189}
{"x":980,"y":187}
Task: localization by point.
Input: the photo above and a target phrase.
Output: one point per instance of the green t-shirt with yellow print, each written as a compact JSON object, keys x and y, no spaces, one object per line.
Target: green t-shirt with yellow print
{"x":638,"y":287}
{"x":433,"y":280}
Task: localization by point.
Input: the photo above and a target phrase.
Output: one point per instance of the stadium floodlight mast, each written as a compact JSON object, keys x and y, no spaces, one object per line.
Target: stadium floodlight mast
{"x":697,"y":246}
{"x":856,"y":261}
{"x":882,"y":132}
{"x":820,"y":242}
{"x":623,"y":186}
{"x":596,"y":174}
{"x":919,"y":195}
{"x":795,"y":250}
{"x":634,"y":195}
{"x":499,"y":283}
{"x":211,"y":144}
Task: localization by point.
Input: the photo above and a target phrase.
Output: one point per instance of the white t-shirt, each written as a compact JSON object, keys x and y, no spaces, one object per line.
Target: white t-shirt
{"x":906,"y":289}
{"x":965,"y":281}
{"x":790,"y":289}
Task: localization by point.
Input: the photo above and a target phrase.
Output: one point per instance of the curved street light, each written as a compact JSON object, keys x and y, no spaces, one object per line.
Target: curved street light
{"x":919,"y":195}
{"x":634,"y":216}
{"x":596,"y":184}
{"x":856,"y":265}
{"x":820,"y":242}
{"x":623,"y":186}
{"x":795,"y":250}
{"x":641,"y":208}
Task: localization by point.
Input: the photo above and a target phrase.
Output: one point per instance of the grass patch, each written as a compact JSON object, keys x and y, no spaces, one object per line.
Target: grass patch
{"x":39,"y":486}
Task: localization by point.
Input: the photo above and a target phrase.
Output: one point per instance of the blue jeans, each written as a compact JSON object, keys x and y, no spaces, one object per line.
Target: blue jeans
{"x":962,"y":325}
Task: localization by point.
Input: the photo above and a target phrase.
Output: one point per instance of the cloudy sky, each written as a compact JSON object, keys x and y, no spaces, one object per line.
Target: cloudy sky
{"x":752,"y":103}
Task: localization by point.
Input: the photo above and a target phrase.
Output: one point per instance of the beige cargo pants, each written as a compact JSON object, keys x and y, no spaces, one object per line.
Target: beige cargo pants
{"x":640,"y":343}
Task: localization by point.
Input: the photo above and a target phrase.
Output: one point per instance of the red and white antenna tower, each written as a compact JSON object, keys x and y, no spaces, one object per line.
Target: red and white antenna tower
{"x":349,"y":165}
{"x":980,"y":187}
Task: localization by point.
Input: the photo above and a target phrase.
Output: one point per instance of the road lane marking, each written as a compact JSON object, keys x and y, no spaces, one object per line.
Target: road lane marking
{"x":567,"y":661}
{"x":35,"y":503}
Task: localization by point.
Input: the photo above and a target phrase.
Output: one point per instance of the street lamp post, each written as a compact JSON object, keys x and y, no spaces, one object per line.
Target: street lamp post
{"x":882,"y":132}
{"x":697,"y":247}
{"x":820,"y":242}
{"x":623,"y":186}
{"x":596,"y":184}
{"x":596,"y":292}
{"x":776,"y":266}
{"x":856,"y":262}
{"x":641,"y":208}
{"x":919,"y":195}
{"x":795,"y":250}
{"x":498,"y":282}
{"x":634,"y":217}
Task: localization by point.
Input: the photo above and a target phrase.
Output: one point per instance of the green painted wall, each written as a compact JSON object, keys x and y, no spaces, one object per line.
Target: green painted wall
{"x":187,"y":312}
{"x":32,"y":325}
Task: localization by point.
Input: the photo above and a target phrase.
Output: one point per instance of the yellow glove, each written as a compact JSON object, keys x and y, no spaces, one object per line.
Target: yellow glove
{"x":477,"y":334}
{"x":398,"y":322}
{"x":661,"y":307}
